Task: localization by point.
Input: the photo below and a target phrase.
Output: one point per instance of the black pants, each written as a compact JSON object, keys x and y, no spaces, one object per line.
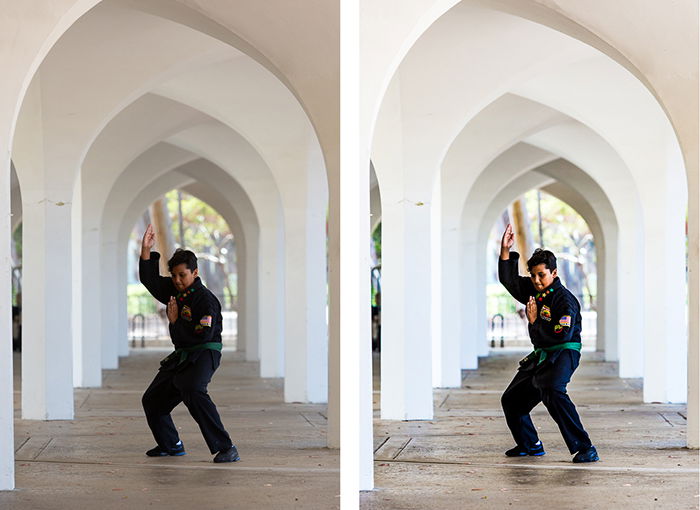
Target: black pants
{"x":546,"y":384}
{"x":188,"y":384}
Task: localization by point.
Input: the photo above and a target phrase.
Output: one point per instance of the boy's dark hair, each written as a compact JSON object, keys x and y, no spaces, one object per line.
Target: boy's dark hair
{"x":541,"y":256}
{"x":183,"y":257}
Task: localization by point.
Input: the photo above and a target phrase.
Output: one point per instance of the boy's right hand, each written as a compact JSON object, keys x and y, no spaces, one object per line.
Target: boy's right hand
{"x":507,"y":242}
{"x":149,"y":239}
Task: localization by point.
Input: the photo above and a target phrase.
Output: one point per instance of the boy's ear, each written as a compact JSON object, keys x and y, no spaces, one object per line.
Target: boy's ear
{"x":554,"y":273}
{"x":195,"y":273}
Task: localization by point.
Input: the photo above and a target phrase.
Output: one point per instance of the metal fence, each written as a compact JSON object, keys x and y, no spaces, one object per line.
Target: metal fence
{"x":151,"y":330}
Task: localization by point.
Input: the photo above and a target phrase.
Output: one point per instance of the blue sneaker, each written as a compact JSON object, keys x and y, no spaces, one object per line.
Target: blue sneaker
{"x":586,"y":454}
{"x":177,"y":451}
{"x":521,"y":451}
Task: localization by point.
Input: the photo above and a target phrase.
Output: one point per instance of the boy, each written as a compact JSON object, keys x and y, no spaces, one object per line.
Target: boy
{"x":554,"y":320}
{"x":195,"y":320}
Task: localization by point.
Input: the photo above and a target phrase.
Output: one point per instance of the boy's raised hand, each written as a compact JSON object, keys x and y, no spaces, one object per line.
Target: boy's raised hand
{"x":149,"y":239}
{"x":531,"y":310}
{"x":172,"y":310}
{"x":507,"y":242}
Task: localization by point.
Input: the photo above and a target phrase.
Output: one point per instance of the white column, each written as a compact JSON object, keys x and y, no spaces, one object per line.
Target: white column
{"x":113,"y":335}
{"x":47,"y":350}
{"x":693,"y":433}
{"x":250,"y":285}
{"x":88,"y":274}
{"x":448,"y":366}
{"x":406,"y":378}
{"x":120,"y":298}
{"x":470,"y":295}
{"x":271,"y":303}
{"x":7,"y":446}
{"x":356,"y":453}
{"x":47,"y":313}
{"x":334,"y":294}
{"x":306,"y":346}
{"x":665,"y":379}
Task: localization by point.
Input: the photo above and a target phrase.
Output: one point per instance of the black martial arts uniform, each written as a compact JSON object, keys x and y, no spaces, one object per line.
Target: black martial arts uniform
{"x":185,"y":374}
{"x":544,"y":373}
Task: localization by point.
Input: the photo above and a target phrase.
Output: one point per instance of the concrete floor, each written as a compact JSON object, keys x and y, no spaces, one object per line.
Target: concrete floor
{"x":98,"y":461}
{"x":456,"y":460}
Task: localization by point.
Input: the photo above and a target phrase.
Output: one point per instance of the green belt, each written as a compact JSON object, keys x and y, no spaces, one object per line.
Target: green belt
{"x":541,"y":352}
{"x":183,"y":352}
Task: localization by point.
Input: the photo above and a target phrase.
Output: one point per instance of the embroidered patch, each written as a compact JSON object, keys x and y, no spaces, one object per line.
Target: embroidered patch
{"x":186,"y":313}
{"x":558,"y":328}
{"x":546,"y":313}
{"x":198,"y":329}
{"x":206,"y":321}
{"x":565,"y":320}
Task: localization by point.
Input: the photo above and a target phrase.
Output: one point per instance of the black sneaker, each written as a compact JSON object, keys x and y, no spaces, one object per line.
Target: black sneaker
{"x":587,"y":454}
{"x":228,"y":455}
{"x":521,"y":451}
{"x":177,"y":451}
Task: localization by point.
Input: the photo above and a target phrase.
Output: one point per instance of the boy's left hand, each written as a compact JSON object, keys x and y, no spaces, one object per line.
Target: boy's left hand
{"x":172,"y":310}
{"x":531,"y":310}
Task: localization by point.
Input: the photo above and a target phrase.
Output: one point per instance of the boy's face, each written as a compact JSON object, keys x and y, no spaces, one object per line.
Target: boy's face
{"x":183,"y":277}
{"x":542,"y":277}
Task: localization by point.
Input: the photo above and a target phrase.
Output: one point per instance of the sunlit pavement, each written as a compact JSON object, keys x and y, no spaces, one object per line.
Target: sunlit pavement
{"x":456,"y":460}
{"x":97,"y":461}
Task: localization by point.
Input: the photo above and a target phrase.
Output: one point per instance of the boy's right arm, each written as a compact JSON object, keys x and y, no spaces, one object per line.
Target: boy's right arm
{"x":159,"y":286}
{"x":518,"y":286}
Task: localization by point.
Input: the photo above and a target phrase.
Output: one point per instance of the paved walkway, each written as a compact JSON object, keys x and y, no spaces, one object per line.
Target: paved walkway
{"x":97,"y":461}
{"x":456,"y":460}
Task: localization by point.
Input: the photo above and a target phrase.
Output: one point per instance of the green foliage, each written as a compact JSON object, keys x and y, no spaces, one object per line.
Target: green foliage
{"x":498,"y":300}
{"x":17,"y":240}
{"x":377,"y":240}
{"x":207,"y":234}
{"x":562,"y":226}
{"x":139,"y":300}
{"x":202,"y":224}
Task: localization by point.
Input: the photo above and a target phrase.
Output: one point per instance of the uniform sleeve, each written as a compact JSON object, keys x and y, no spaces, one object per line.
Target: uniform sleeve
{"x":159,"y":286}
{"x":520,"y":287}
{"x":204,"y":315}
{"x":560,"y":330}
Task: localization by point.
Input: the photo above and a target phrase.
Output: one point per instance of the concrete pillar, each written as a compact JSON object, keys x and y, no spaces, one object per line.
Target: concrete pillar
{"x":271,"y":263}
{"x":89,"y":274}
{"x":47,"y":350}
{"x":452,"y":358}
{"x":47,"y":192}
{"x":665,"y":380}
{"x":446,"y":370}
{"x":693,"y":434}
{"x":333,"y":437}
{"x":406,"y":357}
{"x":306,"y":347}
{"x":7,"y":444}
{"x":468,"y":311}
{"x":115,"y":342}
{"x":406,"y":378}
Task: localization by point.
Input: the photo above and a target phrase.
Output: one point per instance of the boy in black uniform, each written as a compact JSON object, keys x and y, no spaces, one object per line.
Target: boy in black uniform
{"x":554,"y":320}
{"x":195,"y":320}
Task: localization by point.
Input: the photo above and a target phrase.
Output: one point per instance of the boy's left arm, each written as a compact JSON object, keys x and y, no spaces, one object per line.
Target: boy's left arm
{"x":205,"y":316}
{"x":560,"y":329}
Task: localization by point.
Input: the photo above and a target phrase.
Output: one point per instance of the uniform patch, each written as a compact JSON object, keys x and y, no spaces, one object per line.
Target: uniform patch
{"x":558,"y":328}
{"x":186,"y":313}
{"x":565,"y":321}
{"x":198,"y":328}
{"x":205,"y":321}
{"x":546,"y":313}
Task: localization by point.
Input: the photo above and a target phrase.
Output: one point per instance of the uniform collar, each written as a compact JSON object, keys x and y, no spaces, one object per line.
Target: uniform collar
{"x":196,"y":285}
{"x":556,"y":284}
